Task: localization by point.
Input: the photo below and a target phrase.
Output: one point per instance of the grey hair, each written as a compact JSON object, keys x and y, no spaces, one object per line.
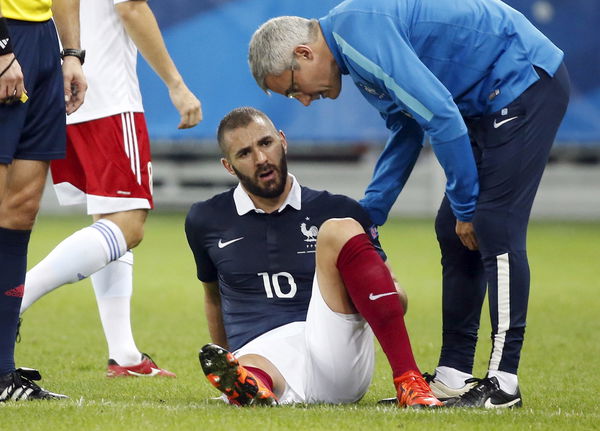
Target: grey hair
{"x":272,"y":46}
{"x":239,"y":117}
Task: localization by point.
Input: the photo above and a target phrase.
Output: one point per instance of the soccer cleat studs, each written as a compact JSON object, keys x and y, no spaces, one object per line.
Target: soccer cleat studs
{"x":224,"y":372}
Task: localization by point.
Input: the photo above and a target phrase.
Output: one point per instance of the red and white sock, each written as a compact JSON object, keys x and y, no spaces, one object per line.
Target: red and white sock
{"x":261,"y":375}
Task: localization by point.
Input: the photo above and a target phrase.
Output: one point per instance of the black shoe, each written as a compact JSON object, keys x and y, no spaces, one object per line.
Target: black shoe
{"x":487,"y":394}
{"x":18,"y":385}
{"x":389,"y":401}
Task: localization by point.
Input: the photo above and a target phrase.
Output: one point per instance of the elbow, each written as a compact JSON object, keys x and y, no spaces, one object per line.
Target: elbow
{"x":130,"y":11}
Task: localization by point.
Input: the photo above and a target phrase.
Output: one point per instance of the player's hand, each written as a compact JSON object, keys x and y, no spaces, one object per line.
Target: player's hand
{"x":75,"y":83}
{"x":466,"y":233}
{"x":12,"y":85}
{"x":187,"y":104}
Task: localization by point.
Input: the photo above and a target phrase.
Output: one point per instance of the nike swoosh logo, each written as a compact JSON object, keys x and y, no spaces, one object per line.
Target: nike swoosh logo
{"x":374,"y":297}
{"x":226,"y":243}
{"x":496,"y":124}
{"x":152,"y":373}
{"x":490,"y":405}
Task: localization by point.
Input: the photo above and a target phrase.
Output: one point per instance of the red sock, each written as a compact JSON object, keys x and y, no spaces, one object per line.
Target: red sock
{"x":264,"y":378}
{"x":372,"y":290}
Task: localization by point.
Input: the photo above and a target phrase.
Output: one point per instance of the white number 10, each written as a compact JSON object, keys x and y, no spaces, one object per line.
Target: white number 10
{"x":274,"y":280}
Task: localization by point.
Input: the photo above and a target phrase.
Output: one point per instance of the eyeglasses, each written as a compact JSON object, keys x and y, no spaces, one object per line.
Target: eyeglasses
{"x":292,"y":92}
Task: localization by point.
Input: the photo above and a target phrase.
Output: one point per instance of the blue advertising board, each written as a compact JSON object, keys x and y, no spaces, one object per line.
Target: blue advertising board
{"x":208,"y":40}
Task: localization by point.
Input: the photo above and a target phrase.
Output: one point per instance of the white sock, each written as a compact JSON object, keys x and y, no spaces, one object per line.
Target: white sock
{"x":113,"y":286}
{"x":75,"y":258}
{"x":451,"y":377}
{"x":508,"y":382}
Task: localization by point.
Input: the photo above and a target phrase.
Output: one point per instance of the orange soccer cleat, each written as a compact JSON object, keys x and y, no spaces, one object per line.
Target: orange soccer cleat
{"x":225,"y":373}
{"x":413,"y":391}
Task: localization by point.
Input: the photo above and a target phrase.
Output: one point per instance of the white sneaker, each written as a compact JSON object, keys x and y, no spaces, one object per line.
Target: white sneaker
{"x":443,"y":392}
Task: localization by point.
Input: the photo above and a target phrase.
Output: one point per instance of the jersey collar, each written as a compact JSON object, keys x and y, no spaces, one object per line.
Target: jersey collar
{"x":244,"y":204}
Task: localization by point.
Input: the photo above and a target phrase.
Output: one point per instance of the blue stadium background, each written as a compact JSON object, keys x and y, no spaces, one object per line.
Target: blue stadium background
{"x":208,"y":40}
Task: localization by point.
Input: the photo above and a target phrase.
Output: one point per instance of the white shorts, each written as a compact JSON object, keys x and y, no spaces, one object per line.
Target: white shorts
{"x":329,"y":358}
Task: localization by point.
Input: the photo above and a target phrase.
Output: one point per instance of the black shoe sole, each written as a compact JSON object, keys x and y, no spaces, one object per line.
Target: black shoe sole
{"x":222,"y":370}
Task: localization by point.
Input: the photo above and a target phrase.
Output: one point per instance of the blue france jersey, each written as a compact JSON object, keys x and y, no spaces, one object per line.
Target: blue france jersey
{"x":423,"y":64}
{"x":264,"y":263}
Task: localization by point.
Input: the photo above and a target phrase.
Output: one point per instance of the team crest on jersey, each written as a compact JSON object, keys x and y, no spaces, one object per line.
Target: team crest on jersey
{"x":310,"y":233}
{"x":371,"y":90}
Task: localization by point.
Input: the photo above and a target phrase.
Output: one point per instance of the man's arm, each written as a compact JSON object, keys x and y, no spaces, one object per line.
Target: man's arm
{"x":214,"y":317}
{"x":393,"y":167}
{"x":401,"y":292}
{"x":141,"y":25}
{"x":66,"y":18}
{"x":392,"y":65}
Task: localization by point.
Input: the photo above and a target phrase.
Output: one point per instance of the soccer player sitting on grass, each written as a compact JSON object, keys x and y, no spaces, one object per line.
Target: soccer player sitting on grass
{"x":293,"y":284}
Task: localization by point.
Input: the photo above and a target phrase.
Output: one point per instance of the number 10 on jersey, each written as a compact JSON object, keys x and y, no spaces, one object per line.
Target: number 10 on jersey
{"x":272,"y":284}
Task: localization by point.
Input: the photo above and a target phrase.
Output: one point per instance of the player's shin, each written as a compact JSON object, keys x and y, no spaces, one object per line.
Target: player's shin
{"x":373,"y":292}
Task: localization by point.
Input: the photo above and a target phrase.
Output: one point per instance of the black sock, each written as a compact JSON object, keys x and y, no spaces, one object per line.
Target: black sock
{"x":13,"y":266}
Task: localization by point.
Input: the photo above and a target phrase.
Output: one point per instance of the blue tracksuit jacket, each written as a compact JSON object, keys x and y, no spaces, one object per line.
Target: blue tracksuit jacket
{"x":424,"y":64}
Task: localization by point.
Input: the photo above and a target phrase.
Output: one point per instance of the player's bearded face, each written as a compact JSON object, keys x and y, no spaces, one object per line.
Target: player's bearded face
{"x":271,"y":188}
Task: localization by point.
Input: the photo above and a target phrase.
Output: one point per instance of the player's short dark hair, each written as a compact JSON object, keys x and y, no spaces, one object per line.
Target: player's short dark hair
{"x":239,"y":117}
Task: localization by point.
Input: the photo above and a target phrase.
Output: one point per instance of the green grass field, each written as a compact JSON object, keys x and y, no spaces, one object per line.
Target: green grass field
{"x":62,"y":337}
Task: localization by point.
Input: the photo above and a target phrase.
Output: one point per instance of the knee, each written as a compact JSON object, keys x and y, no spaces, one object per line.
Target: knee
{"x":446,"y":236}
{"x":134,"y":235}
{"x":28,"y":210}
{"x":18,"y":211}
{"x":131,"y":224}
{"x":445,"y":228}
{"x":337,"y":231}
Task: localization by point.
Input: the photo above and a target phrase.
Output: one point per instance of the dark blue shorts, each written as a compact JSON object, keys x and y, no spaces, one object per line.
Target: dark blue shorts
{"x":36,"y":129}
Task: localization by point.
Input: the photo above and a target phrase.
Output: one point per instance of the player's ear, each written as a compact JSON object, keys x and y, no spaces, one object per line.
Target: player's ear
{"x":227,"y":166}
{"x":304,"y":51}
{"x":284,"y":143}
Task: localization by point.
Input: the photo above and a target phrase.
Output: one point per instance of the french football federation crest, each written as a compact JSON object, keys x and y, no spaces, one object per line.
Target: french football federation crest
{"x":310,"y":233}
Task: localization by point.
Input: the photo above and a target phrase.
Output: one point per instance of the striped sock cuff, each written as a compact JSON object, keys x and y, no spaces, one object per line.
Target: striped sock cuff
{"x":114,"y":241}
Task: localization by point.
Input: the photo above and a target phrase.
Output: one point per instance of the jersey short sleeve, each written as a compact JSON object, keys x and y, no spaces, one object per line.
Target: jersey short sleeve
{"x":195,"y":227}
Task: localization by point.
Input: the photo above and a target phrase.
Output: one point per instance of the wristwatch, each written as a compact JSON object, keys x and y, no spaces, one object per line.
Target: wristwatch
{"x":79,"y":53}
